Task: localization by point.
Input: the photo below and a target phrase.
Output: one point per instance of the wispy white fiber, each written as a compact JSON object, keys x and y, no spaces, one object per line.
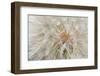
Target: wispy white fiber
{"x":55,"y":37}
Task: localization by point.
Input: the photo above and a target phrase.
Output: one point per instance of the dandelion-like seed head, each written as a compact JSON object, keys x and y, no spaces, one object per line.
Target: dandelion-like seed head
{"x":52,"y":37}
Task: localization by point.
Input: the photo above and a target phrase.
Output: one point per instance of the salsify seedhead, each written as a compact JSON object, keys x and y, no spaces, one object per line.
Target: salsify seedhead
{"x":57,"y":37}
